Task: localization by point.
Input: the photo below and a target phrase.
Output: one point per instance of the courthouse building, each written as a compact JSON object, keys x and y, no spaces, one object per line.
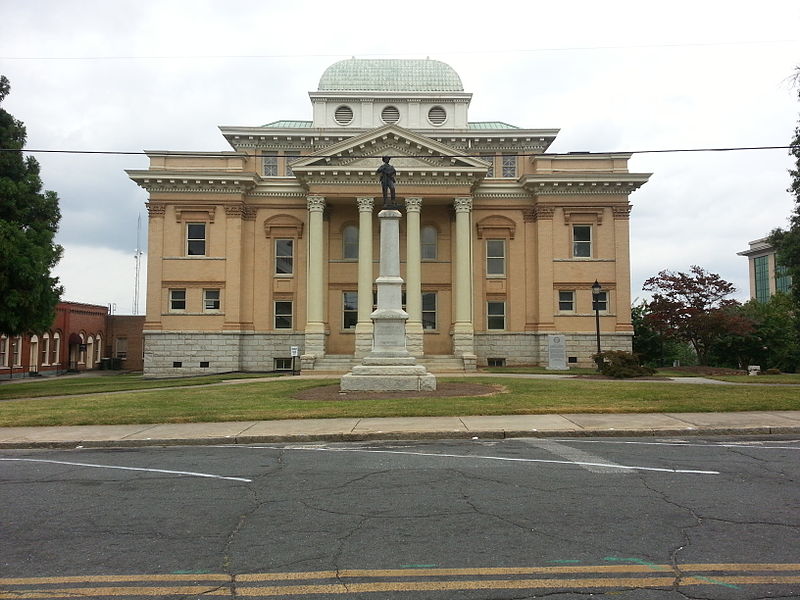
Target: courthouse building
{"x":275,"y":244}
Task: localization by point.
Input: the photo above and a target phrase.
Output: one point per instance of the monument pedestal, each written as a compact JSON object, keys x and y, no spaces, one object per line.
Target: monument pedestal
{"x":389,"y":366}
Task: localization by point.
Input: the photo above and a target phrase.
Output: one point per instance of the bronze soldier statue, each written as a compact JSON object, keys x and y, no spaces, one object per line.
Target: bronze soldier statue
{"x":387,"y":173}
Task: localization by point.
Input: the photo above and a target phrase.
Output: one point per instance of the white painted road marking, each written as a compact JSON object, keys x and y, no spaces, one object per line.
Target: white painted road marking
{"x":93,"y":466}
{"x":586,"y":460}
{"x":742,"y":445}
{"x":498,"y":458}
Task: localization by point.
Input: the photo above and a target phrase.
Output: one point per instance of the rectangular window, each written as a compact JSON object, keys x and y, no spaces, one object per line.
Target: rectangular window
{"x":783,"y":281}
{"x":429,"y":310}
{"x":16,"y":351}
{"x":283,"y":364}
{"x":270,"y":164}
{"x":284,"y":257}
{"x":349,"y":310}
{"x":495,"y":314}
{"x":3,"y":351}
{"x":600,"y":302}
{"x":761,"y":268}
{"x":582,"y":241}
{"x":211,"y":300}
{"x":566,"y":301}
{"x":490,"y":159}
{"x":177,"y":299}
{"x":195,"y":239}
{"x":429,"y":243}
{"x":289,"y":157}
{"x":495,"y":258}
{"x":283,"y":314}
{"x":510,"y":166}
{"x":121,"y":350}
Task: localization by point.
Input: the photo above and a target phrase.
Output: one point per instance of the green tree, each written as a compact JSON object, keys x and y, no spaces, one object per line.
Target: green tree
{"x":787,"y":242}
{"x":774,"y":342}
{"x":28,"y":224}
{"x":654,"y":348}
{"x":694,"y":308}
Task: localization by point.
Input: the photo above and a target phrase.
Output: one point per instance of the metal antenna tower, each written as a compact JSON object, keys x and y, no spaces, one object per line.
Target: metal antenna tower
{"x":137,"y":257}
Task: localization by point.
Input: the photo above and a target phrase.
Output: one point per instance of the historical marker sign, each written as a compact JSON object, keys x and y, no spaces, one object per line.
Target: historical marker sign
{"x":556,"y":353}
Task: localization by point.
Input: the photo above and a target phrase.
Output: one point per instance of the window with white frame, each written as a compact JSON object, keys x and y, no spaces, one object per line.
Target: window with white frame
{"x":510,"y":166}
{"x":16,"y":351}
{"x":3,"y":351}
{"x":284,"y":257}
{"x":56,"y":349}
{"x":566,"y":301}
{"x":349,"y":310}
{"x":496,"y":314}
{"x":177,"y":299}
{"x":429,"y":310}
{"x":98,"y":354}
{"x":195,"y":239}
{"x":33,"y":361}
{"x":283,"y":314}
{"x":582,"y":241}
{"x":350,"y":242}
{"x":495,"y":258}
{"x":429,"y":243}
{"x":45,"y":349}
{"x":600,"y":301}
{"x":270,"y":162}
{"x":211,"y":300}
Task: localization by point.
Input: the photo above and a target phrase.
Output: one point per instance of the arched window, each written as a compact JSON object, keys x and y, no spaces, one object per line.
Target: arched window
{"x":33,"y":362}
{"x":82,"y":349}
{"x":45,"y":349}
{"x":17,"y":351}
{"x":4,"y":346}
{"x":89,"y":352}
{"x":56,"y":352}
{"x":429,"y":243}
{"x":350,"y":242}
{"x":99,"y":351}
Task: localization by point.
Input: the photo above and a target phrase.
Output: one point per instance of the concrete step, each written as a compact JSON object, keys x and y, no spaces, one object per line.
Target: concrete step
{"x":345,"y":362}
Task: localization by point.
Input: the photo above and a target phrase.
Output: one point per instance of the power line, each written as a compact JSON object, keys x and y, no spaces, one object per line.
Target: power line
{"x":432,"y":155}
{"x":390,"y":54}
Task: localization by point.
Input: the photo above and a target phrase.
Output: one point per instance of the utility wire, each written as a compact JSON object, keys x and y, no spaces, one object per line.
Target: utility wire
{"x":228,"y":154}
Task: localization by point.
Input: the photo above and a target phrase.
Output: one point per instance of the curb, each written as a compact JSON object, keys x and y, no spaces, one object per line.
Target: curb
{"x":401,"y":435}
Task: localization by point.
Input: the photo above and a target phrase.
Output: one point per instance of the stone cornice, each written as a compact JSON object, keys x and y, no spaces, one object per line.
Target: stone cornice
{"x":584,"y":183}
{"x":205,"y":182}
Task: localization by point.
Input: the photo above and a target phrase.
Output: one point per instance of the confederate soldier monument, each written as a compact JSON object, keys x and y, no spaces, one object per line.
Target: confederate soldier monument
{"x":389,"y":366}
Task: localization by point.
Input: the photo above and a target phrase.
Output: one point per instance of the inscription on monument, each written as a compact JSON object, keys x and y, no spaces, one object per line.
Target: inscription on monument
{"x":556,"y":352}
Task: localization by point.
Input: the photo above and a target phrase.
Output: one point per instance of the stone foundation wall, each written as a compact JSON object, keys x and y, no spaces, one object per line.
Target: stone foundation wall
{"x":531,"y":348}
{"x":223,"y":352}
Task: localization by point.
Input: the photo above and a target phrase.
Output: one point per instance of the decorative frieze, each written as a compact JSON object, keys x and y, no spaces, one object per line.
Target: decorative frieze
{"x":538,"y":213}
{"x":583,"y":214}
{"x":544,"y":188}
{"x":194,"y":212}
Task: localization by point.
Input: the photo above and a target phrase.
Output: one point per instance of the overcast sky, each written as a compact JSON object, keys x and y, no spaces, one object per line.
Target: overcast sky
{"x":612,"y":76}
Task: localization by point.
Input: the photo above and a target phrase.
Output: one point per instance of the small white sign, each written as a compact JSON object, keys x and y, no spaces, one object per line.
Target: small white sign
{"x":295,"y":350}
{"x":557,"y":353}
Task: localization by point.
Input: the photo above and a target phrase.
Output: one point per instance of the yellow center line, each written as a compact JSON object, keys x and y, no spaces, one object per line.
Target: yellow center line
{"x":114,"y":578}
{"x":95,"y":592}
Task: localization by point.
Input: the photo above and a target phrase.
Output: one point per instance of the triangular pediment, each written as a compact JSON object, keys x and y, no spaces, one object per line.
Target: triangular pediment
{"x":409,"y":151}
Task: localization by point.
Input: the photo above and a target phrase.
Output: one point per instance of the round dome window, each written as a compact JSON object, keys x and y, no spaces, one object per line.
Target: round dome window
{"x":390,"y":115}
{"x":343,"y":115}
{"x":437,"y":116}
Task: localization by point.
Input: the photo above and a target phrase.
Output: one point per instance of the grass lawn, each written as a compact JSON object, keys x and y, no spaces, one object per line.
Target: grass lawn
{"x":67,"y":385}
{"x":782,"y":378}
{"x":268,"y":400}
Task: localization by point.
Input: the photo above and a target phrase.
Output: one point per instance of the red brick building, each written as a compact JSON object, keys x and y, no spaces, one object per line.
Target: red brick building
{"x":83,"y":337}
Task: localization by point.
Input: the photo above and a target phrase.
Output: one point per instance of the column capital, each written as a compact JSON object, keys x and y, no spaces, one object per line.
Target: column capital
{"x":316,"y":203}
{"x":413,"y":204}
{"x":365,"y":204}
{"x":463,"y":204}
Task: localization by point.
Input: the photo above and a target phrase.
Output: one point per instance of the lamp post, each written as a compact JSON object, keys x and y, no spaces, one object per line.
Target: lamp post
{"x":596,"y":288}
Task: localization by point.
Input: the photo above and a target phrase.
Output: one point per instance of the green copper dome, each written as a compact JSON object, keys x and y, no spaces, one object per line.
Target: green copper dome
{"x":390,"y":75}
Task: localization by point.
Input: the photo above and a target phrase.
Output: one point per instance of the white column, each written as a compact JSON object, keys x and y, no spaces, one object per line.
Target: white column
{"x":463,"y":330}
{"x":315,"y":292}
{"x":363,"y":344}
{"x":414,"y":332}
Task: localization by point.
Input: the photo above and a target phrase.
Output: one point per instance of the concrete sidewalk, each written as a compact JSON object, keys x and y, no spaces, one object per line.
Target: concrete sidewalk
{"x":410,"y":428}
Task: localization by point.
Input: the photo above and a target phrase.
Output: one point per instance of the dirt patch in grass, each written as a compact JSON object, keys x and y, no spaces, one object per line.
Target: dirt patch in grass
{"x":443,"y":390}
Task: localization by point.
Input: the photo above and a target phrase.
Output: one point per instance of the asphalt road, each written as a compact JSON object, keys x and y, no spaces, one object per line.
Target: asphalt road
{"x":511,"y":519}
